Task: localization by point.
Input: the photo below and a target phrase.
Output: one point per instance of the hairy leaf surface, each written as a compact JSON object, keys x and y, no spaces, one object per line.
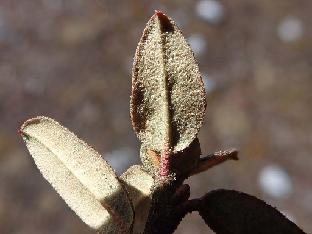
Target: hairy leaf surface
{"x":78,"y":173}
{"x":168,"y":96}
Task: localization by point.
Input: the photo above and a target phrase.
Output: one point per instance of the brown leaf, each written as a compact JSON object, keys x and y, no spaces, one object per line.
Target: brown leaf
{"x":168,"y":96}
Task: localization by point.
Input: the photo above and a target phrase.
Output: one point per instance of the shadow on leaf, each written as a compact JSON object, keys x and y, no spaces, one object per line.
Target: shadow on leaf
{"x":233,"y":212}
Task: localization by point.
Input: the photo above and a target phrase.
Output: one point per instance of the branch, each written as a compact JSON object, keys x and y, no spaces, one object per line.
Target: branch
{"x":214,"y":159}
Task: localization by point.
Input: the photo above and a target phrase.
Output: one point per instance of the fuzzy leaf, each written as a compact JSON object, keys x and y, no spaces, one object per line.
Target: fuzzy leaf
{"x":78,"y":173}
{"x":139,"y":186}
{"x":181,"y":162}
{"x":168,"y":96}
{"x":229,"y":211}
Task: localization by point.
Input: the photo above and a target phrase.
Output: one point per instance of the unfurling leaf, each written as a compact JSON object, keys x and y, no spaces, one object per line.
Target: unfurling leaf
{"x":168,"y":96}
{"x":83,"y":179}
{"x":229,"y":211}
{"x":139,"y":186}
{"x":182,"y":162}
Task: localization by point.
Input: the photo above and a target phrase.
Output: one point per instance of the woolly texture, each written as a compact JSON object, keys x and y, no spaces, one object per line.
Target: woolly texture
{"x":168,"y":96}
{"x":78,"y":173}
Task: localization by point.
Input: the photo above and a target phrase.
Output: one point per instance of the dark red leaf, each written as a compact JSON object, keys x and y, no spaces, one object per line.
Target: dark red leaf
{"x":232,"y":212}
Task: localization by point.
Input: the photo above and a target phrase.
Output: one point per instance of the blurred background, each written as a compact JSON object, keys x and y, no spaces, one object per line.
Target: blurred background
{"x":71,"y":60}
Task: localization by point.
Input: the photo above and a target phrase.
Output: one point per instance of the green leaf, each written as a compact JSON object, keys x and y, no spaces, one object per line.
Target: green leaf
{"x":168,"y":96}
{"x":77,"y":172}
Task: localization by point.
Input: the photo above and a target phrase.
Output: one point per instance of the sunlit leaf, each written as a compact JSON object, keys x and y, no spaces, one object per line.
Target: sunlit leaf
{"x":168,"y":97}
{"x":78,"y":173}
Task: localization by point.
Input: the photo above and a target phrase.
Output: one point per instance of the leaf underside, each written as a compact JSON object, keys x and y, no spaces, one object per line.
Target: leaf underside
{"x":78,"y":173}
{"x":168,"y":97}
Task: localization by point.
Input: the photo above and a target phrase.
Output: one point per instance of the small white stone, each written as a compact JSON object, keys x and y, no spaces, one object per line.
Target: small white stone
{"x":290,"y":29}
{"x":210,"y":10}
{"x":275,"y":181}
{"x":197,"y":43}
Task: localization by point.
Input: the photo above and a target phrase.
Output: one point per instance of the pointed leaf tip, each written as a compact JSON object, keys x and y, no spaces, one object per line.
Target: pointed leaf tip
{"x":158,"y":12}
{"x":168,"y":97}
{"x":164,"y":21}
{"x":78,"y":173}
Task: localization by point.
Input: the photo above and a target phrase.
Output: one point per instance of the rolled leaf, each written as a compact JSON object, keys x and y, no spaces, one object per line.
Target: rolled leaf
{"x":139,"y":186}
{"x":181,"y":162}
{"x":168,"y":96}
{"x":79,"y":174}
{"x":228,"y":211}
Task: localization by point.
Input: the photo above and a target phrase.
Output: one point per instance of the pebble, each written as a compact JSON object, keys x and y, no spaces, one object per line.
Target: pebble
{"x":211,"y":11}
{"x":290,"y":29}
{"x":275,"y":181}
